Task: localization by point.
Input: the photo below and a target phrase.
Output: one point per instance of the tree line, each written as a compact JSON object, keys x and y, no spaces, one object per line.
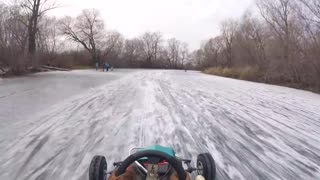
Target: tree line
{"x":280,"y":41}
{"x":29,"y":39}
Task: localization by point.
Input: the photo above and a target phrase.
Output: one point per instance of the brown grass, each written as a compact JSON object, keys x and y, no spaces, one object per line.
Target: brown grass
{"x":254,"y":74}
{"x":245,"y":73}
{"x":82,"y":67}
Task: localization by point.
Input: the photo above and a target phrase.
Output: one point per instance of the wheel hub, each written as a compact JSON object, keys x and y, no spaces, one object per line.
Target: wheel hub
{"x":200,"y":168}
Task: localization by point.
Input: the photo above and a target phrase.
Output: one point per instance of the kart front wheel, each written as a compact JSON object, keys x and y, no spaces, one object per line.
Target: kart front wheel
{"x":98,"y":168}
{"x":206,"y":166}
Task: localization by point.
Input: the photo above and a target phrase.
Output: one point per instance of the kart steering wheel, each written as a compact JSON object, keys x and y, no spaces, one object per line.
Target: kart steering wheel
{"x":156,"y":156}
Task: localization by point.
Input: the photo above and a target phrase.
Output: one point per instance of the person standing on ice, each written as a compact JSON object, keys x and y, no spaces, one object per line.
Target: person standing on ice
{"x":103,"y":66}
{"x":107,"y":66}
{"x":97,"y":66}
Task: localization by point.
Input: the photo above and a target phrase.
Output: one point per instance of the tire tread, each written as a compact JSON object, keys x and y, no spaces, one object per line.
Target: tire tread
{"x":96,"y":171}
{"x":209,"y":169}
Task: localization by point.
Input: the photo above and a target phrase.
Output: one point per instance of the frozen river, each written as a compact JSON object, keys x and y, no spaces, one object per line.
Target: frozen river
{"x":52,"y":124}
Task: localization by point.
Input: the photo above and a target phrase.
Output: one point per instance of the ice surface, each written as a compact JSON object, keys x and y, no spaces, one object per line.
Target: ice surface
{"x":21,"y":98}
{"x":254,"y":131}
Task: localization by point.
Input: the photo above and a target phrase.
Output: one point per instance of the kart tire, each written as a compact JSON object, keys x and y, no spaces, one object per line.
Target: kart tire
{"x":98,"y":168}
{"x":206,"y":166}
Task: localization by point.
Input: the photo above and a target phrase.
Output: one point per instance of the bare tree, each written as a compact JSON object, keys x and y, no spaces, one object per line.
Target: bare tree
{"x":314,"y":8}
{"x":197,"y":57}
{"x":133,"y":51}
{"x":309,"y":12}
{"x":280,"y":16}
{"x":113,"y":47}
{"x":87,"y":29}
{"x":13,"y":38}
{"x":228,"y":30}
{"x":184,"y":54}
{"x":3,"y":38}
{"x":34,"y":10}
{"x":48,"y":38}
{"x":173,"y":50}
{"x":277,"y":14}
{"x":211,"y":50}
{"x":151,"y":43}
{"x":113,"y":42}
{"x":254,"y":37}
{"x":176,"y":53}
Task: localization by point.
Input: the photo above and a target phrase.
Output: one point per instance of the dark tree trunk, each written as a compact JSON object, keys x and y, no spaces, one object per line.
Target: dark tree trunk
{"x":32,"y":40}
{"x":32,"y":27}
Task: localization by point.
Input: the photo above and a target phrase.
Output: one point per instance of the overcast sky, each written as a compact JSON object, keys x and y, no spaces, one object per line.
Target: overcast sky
{"x":191,"y":21}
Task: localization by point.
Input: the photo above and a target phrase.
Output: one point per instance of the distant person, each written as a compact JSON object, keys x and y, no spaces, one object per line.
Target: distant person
{"x":106,"y":66}
{"x":111,"y":68}
{"x":97,"y":66}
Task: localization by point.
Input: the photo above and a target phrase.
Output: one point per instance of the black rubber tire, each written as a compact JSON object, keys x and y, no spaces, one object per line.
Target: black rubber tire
{"x":209,"y":166}
{"x":98,"y":168}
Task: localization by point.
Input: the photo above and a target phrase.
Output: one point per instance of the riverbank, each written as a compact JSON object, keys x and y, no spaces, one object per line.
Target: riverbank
{"x":255,"y":75}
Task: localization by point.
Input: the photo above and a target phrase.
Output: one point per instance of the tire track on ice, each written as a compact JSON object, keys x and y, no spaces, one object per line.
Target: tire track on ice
{"x":63,"y":133}
{"x":239,"y":133}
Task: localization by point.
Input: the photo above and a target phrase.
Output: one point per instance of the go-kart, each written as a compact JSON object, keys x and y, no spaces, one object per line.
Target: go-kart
{"x":154,"y":162}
